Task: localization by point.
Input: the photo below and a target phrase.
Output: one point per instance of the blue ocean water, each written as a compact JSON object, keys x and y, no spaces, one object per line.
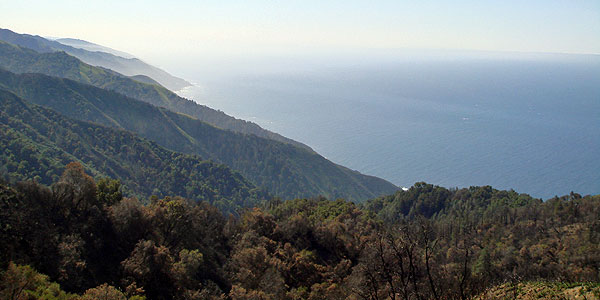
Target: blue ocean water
{"x":528,"y":124}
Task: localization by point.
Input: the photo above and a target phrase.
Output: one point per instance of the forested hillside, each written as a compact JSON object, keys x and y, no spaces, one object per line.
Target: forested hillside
{"x":24,"y":60}
{"x":38,"y":143}
{"x":90,"y":241}
{"x":283,"y":169}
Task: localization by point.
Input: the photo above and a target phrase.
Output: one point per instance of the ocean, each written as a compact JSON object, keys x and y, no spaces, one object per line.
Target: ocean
{"x":525,"y":122}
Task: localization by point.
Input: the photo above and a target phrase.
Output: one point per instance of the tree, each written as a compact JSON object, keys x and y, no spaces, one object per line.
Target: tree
{"x":103,"y":292}
{"x":23,"y":282}
{"x":149,"y":266}
{"x":109,"y":191}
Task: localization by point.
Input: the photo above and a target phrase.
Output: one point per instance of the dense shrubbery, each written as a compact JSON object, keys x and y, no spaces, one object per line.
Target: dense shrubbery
{"x":83,"y":235}
{"x":87,"y":238}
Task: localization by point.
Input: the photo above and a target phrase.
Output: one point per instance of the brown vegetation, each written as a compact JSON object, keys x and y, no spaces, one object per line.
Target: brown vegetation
{"x":425,"y":243}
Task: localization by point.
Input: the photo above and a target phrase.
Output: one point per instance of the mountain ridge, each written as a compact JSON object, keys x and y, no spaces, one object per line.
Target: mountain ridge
{"x":126,"y":66}
{"x":25,"y":60}
{"x":283,"y":169}
{"x":38,"y":142}
{"x":89,"y":46}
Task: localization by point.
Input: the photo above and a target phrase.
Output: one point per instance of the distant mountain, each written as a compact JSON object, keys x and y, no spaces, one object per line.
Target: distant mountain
{"x":23,"y":60}
{"x":126,"y":66}
{"x":37,"y":143}
{"x":85,"y":45}
{"x":283,"y":169}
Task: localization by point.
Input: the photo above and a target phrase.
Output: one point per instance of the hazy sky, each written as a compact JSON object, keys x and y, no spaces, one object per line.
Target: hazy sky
{"x":155,"y":29}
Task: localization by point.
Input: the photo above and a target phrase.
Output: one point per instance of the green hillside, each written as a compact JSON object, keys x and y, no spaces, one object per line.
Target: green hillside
{"x":37,"y":143}
{"x":23,"y":60}
{"x":99,"y":56}
{"x":283,"y":169}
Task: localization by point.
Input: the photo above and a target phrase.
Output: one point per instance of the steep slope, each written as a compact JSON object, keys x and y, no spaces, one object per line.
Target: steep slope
{"x":23,"y":60}
{"x":126,"y":66}
{"x":285,"y":170}
{"x":37,"y":143}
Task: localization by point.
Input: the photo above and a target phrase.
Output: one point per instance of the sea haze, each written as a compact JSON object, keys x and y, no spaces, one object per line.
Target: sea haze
{"x":521,"y":121}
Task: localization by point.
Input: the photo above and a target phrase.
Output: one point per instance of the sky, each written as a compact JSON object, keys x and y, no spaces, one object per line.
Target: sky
{"x":156,"y":30}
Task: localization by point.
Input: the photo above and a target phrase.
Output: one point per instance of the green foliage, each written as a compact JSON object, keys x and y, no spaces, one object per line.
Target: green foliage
{"x":315,"y":209}
{"x":436,"y":202}
{"x":107,"y":292}
{"x":109,"y":191}
{"x":23,"y":282}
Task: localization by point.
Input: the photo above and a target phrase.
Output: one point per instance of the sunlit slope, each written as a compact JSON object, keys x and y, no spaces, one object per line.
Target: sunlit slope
{"x":37,"y":143}
{"x":24,"y":60}
{"x":285,"y":170}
